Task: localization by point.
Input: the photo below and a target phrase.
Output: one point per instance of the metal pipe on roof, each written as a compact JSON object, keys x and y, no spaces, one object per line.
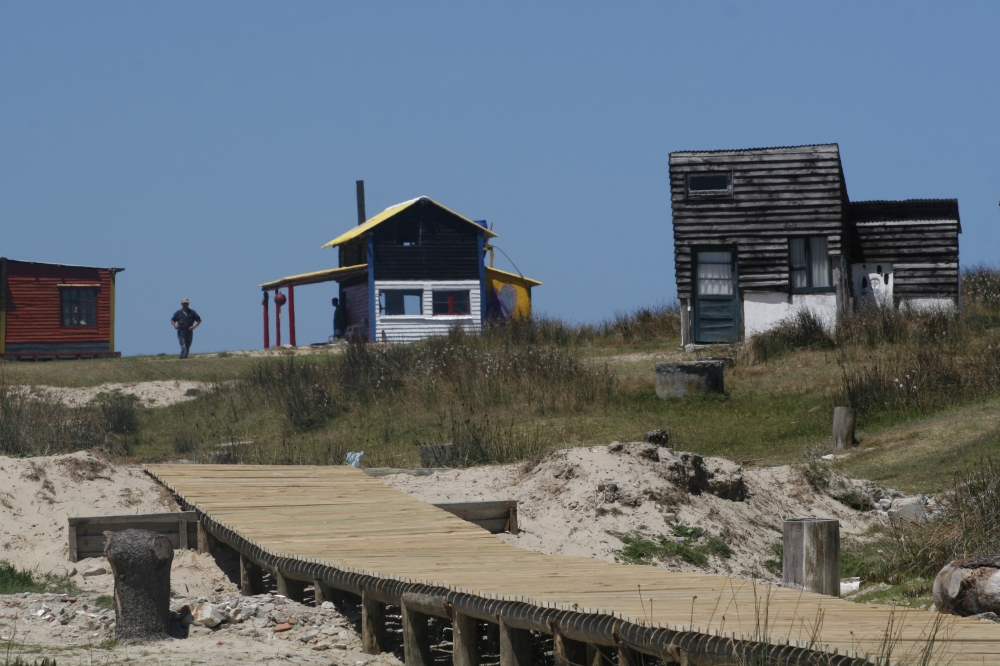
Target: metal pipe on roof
{"x":361,"y":202}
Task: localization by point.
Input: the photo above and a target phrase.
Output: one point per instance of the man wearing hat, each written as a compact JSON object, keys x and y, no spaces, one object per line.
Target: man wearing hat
{"x":185,"y":321}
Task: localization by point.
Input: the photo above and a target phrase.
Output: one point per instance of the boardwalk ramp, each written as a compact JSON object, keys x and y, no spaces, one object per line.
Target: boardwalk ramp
{"x":336,"y":528}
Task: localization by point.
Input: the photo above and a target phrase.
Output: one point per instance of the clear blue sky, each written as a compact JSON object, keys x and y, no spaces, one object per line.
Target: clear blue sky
{"x":208,"y":147}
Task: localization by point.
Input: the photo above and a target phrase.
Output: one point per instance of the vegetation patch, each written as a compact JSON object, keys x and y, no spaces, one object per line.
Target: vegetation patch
{"x":14,"y":580}
{"x":688,"y":544}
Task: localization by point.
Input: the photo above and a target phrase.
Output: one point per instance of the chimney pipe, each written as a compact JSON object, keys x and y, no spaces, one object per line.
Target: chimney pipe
{"x":361,"y":202}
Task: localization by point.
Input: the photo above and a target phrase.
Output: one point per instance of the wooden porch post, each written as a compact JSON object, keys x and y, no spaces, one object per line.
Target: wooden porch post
{"x":291,"y":314}
{"x":267,"y":324}
{"x":277,"y":319}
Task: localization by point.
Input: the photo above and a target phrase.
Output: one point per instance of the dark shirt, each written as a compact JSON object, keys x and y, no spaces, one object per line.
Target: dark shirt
{"x":339,"y":320}
{"x":185,"y":319}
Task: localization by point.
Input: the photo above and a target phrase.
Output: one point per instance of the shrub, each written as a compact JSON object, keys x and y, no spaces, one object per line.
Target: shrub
{"x":14,"y":580}
{"x":119,"y":412}
{"x":802,"y":331}
{"x":32,"y":425}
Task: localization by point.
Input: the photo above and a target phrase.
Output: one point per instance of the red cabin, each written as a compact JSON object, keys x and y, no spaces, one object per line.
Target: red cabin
{"x":53,"y":311}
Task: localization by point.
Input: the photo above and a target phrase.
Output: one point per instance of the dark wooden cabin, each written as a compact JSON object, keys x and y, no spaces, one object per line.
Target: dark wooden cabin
{"x":415,"y":270}
{"x":55,"y":311}
{"x":763,"y":233}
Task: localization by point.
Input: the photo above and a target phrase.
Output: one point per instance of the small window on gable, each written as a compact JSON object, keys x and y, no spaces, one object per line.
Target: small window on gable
{"x":712,"y":184}
{"x":407,"y":232}
{"x":78,"y":306}
{"x":394,"y":302}
{"x":452,"y":302}
{"x":809,"y":264}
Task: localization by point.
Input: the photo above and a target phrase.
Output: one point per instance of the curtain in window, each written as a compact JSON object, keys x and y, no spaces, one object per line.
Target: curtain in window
{"x":819,"y":261}
{"x":715,"y":274}
{"x":797,"y":258}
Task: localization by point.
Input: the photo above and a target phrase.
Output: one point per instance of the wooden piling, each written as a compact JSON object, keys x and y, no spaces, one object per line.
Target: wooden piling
{"x":515,"y":645}
{"x":372,"y":625}
{"x":251,"y":577}
{"x":416,"y":639}
{"x":811,"y":556}
{"x":594,"y":657}
{"x":291,"y":588}
{"x":627,"y":656}
{"x":206,"y":542}
{"x":567,"y":652}
{"x":463,"y":631}
{"x":844,"y":422}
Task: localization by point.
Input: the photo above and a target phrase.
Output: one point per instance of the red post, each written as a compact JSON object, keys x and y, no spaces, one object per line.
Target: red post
{"x":267,"y":324}
{"x":279,"y":298}
{"x":291,"y":314}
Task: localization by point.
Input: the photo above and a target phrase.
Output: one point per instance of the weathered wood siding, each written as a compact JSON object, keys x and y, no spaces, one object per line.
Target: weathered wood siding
{"x":409,"y":328}
{"x":919,"y":237}
{"x":448,"y":248}
{"x":34,"y":309}
{"x":777,"y":193}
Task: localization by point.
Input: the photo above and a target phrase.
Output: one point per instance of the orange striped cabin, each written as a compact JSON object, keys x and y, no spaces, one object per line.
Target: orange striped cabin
{"x":55,"y":311}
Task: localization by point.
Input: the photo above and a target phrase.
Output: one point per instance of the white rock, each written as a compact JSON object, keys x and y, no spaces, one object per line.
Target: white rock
{"x":969,"y":587}
{"x":96,"y":570}
{"x":848,"y":585}
{"x":907,"y":510}
{"x":327,"y":604}
{"x":208,"y":615}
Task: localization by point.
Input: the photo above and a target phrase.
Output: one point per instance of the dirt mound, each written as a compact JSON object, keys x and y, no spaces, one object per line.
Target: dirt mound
{"x":638,"y":502}
{"x":150,"y":394}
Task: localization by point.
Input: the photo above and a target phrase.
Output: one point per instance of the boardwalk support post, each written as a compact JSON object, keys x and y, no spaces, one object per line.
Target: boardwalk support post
{"x":372,"y":625}
{"x":251,"y":577}
{"x":845,"y":420}
{"x":811,"y":557}
{"x":464,"y":652}
{"x":515,"y":645}
{"x":567,"y":652}
{"x":290,"y":588}
{"x":627,"y":656}
{"x":206,"y":542}
{"x":594,"y":656}
{"x":416,"y":639}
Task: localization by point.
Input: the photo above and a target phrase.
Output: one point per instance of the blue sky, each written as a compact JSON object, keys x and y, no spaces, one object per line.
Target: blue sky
{"x":208,"y":147}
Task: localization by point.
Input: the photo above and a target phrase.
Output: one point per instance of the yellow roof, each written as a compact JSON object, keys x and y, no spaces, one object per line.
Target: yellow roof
{"x":328,"y":275}
{"x":370,"y":224}
{"x":504,"y":275}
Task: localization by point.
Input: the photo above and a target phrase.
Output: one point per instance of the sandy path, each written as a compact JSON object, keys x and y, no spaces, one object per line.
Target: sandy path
{"x":162,"y":393}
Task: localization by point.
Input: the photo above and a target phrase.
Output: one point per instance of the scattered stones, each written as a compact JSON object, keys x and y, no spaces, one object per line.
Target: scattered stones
{"x":284,"y":626}
{"x":208,"y":615}
{"x":659,"y":437}
{"x":95,"y":570}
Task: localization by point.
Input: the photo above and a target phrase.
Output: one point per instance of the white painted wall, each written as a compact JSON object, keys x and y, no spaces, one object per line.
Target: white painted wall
{"x":409,"y":328}
{"x":763,"y":311}
{"x":935,"y":304}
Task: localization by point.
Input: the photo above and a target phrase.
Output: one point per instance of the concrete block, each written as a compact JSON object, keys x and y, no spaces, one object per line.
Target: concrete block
{"x":678,"y":380}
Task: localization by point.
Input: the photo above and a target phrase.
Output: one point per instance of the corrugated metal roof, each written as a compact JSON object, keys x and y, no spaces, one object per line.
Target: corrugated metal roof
{"x":752,"y":150}
{"x":48,"y":263}
{"x":328,"y":275}
{"x":391,"y":211}
{"x":929,"y":210}
{"x":511,"y":276}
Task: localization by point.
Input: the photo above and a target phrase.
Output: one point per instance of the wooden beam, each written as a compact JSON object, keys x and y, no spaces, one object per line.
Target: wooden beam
{"x":182,"y":530}
{"x":72,"y":543}
{"x":206,"y":542}
{"x":290,"y":588}
{"x":416,"y":639}
{"x":464,"y":651}
{"x":428,"y":604}
{"x":567,"y":652}
{"x":515,"y":645}
{"x":373,"y":639}
{"x":251,"y":577}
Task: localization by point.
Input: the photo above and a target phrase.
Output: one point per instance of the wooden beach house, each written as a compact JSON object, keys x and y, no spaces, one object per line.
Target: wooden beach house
{"x":415,"y":270}
{"x":56,"y":311}
{"x":762,"y":233}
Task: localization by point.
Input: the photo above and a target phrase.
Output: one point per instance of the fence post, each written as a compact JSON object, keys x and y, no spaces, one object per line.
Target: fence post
{"x":844,"y":421}
{"x":811,"y":558}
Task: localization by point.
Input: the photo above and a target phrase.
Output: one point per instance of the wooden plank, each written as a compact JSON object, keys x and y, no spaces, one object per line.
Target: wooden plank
{"x":165,"y":518}
{"x":73,"y":551}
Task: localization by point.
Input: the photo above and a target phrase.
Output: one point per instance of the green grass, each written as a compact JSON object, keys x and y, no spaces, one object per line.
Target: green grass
{"x":105,"y":601}
{"x":688,"y":545}
{"x":14,"y":580}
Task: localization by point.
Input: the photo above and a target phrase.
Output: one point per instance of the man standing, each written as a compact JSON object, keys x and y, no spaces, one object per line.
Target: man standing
{"x":339,"y":320}
{"x":185,"y":321}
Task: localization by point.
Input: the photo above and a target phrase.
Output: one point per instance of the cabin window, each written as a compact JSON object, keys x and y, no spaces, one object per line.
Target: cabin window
{"x":407,"y":232}
{"x":78,"y":307}
{"x":809,"y":263}
{"x":714,"y":184}
{"x":452,"y":303}
{"x":394,"y":302}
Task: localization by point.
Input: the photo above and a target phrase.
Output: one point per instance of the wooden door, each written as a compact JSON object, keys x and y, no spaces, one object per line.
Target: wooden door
{"x":716,"y":299}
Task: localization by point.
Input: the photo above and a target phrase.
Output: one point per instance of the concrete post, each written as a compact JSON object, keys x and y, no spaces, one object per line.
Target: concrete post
{"x":811,"y":558}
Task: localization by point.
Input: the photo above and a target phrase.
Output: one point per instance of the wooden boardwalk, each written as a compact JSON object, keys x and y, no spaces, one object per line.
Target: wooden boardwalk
{"x":339,"y":528}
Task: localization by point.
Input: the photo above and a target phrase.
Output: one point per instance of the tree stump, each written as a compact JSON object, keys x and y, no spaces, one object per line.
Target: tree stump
{"x":140,"y":561}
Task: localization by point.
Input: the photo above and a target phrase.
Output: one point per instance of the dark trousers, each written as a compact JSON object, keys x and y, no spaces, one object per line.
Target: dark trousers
{"x":184,"y":337}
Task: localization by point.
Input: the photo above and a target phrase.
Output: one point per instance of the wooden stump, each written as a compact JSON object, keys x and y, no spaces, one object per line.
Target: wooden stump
{"x":140,"y":561}
{"x":811,"y":558}
{"x":844,"y":421}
